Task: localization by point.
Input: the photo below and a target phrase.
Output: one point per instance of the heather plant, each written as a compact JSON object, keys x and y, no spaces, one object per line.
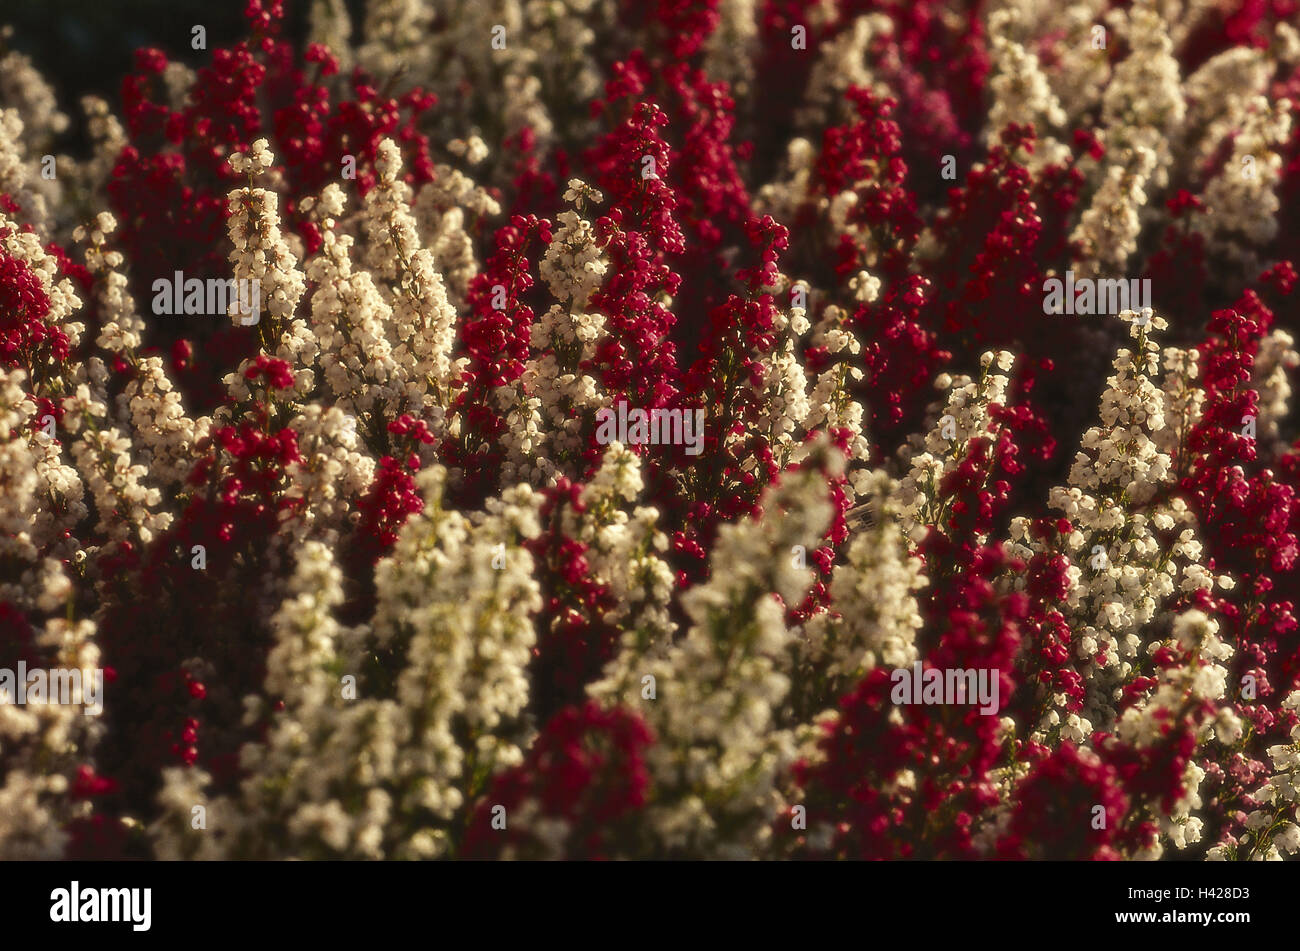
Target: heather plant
{"x":943,"y":572}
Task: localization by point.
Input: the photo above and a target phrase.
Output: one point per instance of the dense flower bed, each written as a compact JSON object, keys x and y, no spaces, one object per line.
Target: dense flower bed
{"x":368,"y":577}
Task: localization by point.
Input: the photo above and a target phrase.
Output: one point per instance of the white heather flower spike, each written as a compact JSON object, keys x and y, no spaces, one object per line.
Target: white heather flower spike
{"x":262,"y":257}
{"x":1108,"y":230}
{"x":1143,"y":107}
{"x":421,"y":327}
{"x":405,"y":756}
{"x":1121,"y":575}
{"x":720,"y":749}
{"x":1242,"y":200}
{"x":1021,"y":93}
{"x":875,"y":615}
{"x":625,"y":553}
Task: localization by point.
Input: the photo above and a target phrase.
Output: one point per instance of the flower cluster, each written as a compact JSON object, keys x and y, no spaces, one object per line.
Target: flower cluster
{"x":364,"y":581}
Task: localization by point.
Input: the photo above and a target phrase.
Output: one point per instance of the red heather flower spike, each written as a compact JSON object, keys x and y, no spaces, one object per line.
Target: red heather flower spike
{"x":587,"y":768}
{"x":25,"y":335}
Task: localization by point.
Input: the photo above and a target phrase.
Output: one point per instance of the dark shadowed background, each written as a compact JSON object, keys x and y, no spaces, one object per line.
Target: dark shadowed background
{"x":83,"y":46}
